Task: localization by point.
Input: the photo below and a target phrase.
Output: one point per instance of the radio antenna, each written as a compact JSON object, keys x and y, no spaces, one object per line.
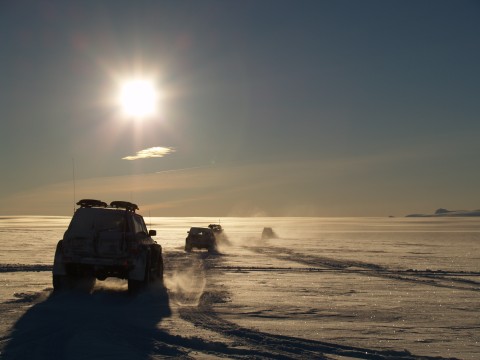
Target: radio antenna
{"x":73,"y":173}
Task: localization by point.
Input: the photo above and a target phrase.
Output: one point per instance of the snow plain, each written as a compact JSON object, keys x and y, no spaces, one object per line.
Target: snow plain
{"x":326,"y":288}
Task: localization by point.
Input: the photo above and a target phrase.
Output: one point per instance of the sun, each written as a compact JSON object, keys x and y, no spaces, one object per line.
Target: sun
{"x":138,"y":98}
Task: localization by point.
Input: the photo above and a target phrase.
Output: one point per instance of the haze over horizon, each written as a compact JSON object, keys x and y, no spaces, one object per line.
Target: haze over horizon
{"x":274,"y":108}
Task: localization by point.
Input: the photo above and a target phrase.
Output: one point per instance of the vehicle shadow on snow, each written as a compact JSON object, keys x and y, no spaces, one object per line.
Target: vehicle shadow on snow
{"x":105,"y":324}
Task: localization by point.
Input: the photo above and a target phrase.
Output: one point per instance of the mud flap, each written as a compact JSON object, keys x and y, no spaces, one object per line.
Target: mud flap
{"x":138,"y":271}
{"x":58,"y":265}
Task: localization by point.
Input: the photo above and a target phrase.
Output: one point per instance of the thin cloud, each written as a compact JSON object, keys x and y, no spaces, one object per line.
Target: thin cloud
{"x":153,"y":152}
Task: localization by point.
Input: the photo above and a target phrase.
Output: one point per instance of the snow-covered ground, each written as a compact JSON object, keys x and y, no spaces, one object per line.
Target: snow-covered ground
{"x":340,"y":288}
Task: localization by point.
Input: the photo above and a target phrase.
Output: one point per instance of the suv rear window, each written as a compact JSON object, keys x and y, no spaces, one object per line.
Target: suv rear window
{"x":98,"y":220}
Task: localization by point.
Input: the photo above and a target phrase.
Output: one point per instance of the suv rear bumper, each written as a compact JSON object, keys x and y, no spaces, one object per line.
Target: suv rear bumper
{"x":99,"y":268}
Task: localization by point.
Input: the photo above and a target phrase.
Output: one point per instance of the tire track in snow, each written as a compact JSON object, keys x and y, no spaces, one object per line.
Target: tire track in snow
{"x":24,"y":267}
{"x":266,"y":345}
{"x":439,"y":278}
{"x":279,"y":346}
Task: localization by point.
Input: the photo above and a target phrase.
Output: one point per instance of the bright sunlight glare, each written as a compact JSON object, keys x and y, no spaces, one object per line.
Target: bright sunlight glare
{"x":138,"y":98}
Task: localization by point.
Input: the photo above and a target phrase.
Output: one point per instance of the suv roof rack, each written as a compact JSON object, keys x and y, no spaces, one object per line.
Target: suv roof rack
{"x":124,"y":205}
{"x":88,"y":203}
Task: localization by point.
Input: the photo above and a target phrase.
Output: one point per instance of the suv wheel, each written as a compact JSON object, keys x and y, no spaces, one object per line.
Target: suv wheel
{"x":61,"y":282}
{"x":135,"y":286}
{"x":157,"y":271}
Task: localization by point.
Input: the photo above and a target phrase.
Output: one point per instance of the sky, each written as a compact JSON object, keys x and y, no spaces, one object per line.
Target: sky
{"x":264,"y":108}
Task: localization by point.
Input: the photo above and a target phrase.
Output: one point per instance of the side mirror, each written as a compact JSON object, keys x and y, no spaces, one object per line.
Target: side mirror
{"x":152,"y":233}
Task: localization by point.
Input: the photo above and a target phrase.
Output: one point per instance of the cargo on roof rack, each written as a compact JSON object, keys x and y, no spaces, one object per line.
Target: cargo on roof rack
{"x":124,"y":205}
{"x":88,"y":203}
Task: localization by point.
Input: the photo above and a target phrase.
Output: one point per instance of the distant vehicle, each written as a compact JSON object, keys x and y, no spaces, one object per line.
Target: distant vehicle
{"x":268,"y":233}
{"x":107,"y":241}
{"x":201,"y":238}
{"x":220,"y":235}
{"x":216,"y":228}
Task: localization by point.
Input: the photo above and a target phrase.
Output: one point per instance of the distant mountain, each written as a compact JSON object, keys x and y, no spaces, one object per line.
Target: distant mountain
{"x":444,"y":212}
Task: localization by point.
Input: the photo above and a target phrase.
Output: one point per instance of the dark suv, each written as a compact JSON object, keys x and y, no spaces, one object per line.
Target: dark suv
{"x":107,"y":241}
{"x":200,"y":238}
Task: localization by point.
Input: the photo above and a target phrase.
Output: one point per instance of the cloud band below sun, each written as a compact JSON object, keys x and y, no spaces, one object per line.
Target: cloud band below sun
{"x":153,"y":152}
